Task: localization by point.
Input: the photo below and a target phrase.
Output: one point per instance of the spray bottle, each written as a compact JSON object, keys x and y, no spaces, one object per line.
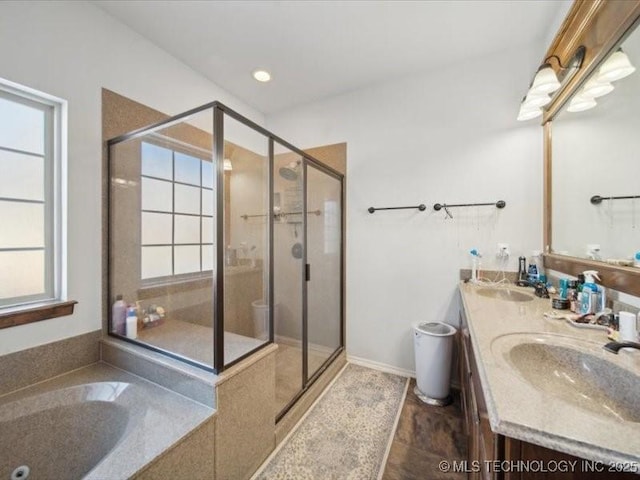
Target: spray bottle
{"x":593,"y":297}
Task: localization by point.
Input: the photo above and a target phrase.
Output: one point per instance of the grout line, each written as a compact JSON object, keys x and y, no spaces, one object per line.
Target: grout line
{"x":264,"y":465}
{"x":392,"y":435}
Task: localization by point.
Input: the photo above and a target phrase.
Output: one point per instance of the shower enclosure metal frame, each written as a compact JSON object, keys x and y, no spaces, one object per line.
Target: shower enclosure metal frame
{"x":219,"y":110}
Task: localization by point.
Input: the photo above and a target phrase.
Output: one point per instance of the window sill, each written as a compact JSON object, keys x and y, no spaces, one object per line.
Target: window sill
{"x":36,"y":313}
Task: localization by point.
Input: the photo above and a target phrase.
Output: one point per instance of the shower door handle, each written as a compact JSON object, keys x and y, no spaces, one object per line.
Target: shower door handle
{"x":307,"y":272}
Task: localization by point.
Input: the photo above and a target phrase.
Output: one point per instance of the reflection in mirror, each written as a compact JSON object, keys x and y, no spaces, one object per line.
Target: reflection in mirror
{"x":595,"y":142}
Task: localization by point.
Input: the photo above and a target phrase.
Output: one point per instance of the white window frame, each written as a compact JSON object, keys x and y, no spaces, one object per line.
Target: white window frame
{"x":55,"y":193}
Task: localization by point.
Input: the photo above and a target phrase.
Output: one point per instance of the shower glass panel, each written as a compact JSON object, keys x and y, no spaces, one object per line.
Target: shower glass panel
{"x":246,"y":239}
{"x":288,"y":241}
{"x":324,"y":256}
{"x":161,"y":216}
{"x":199,"y":205}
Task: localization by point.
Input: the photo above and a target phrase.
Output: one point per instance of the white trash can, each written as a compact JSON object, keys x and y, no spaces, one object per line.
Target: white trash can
{"x":433,"y":342}
{"x":260,"y":319}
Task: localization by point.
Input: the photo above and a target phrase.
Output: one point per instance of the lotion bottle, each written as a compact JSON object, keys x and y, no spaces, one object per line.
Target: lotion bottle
{"x":132,"y":323}
{"x":118,"y":316}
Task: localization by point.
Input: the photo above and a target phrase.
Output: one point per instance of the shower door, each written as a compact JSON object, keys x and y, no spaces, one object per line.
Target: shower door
{"x":288,"y":275}
{"x":323,"y":332}
{"x":307,"y":288}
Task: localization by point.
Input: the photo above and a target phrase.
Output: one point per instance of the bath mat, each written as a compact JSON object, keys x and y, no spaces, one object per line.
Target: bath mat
{"x":346,"y":434}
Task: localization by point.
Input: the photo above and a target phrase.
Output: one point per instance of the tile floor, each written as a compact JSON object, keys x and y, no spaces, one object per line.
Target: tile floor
{"x":425,"y":436}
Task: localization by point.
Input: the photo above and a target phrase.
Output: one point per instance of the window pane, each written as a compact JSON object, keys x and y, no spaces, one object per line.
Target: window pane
{"x":156,"y":195}
{"x":207,"y":174}
{"x":156,"y":228}
{"x":22,"y":225}
{"x":22,"y":176}
{"x":187,"y":169}
{"x":156,"y":262}
{"x":207,"y":202}
{"x":187,"y":199}
{"x":21,"y":274}
{"x":187,"y":259}
{"x":207,"y":230}
{"x":21,"y":127}
{"x":156,"y":161}
{"x":207,"y":257}
{"x":187,"y":229}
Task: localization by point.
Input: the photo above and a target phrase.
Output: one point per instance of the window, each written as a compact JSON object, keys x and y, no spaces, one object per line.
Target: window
{"x":177,"y":212}
{"x":31,"y":149}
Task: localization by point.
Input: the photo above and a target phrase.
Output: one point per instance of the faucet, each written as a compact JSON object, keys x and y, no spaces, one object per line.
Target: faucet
{"x":614,"y":347}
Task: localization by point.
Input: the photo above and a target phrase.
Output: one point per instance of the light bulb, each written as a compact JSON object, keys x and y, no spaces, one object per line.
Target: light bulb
{"x":262,"y":76}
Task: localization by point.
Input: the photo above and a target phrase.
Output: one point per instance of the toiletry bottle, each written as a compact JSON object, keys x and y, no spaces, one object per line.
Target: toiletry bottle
{"x":563,"y":287}
{"x":132,"y":323}
{"x":535,"y":267}
{"x":572,"y":296}
{"x":636,"y":259}
{"x":118,"y":316}
{"x":596,"y":303}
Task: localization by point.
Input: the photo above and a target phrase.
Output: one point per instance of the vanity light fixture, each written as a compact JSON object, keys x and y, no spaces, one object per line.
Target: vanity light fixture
{"x":580,"y":103}
{"x":617,"y":66}
{"x":262,"y":76}
{"x":547,"y":82}
{"x":228,"y":166}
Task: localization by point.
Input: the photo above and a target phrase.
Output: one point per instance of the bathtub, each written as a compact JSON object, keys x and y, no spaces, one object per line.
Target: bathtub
{"x":95,"y":423}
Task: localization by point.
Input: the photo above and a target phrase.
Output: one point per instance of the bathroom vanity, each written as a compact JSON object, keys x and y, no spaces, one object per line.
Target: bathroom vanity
{"x":541,"y":394}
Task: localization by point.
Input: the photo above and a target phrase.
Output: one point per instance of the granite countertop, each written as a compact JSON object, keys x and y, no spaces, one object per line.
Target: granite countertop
{"x":519,"y":410}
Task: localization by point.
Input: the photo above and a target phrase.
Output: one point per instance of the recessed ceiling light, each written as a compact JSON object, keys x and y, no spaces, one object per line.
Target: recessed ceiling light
{"x":262,"y":75}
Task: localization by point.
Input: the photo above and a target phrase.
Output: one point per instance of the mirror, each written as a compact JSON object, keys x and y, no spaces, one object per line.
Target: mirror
{"x":594,"y":148}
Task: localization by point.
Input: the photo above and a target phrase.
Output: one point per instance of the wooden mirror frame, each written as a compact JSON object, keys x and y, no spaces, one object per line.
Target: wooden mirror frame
{"x":598,"y":25}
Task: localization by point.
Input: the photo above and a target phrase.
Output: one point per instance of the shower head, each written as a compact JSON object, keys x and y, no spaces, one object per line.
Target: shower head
{"x":290,"y":172}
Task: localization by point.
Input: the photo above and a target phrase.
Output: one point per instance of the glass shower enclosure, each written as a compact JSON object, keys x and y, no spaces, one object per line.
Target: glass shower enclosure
{"x":222,"y":239}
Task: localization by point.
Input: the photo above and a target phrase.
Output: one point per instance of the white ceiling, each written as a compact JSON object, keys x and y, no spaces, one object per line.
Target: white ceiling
{"x":317,"y":49}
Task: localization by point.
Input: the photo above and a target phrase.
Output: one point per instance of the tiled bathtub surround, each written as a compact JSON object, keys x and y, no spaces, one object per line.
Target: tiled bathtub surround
{"x":190,"y":381}
{"x":229,"y":442}
{"x":26,"y":367}
{"x":98,"y":422}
